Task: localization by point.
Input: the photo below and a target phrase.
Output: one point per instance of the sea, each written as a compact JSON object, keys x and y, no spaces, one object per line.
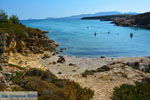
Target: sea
{"x":94,"y":38}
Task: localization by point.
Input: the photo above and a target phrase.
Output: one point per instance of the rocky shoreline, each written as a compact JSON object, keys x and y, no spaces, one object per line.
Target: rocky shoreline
{"x":140,"y":20}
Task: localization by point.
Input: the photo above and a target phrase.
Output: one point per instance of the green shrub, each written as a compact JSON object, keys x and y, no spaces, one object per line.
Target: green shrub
{"x":14,"y":19}
{"x":91,"y":72}
{"x":16,"y":66}
{"x":3,"y":16}
{"x":49,"y":87}
{"x":3,"y":87}
{"x":17,"y":77}
{"x":139,"y":91}
{"x":1,"y":68}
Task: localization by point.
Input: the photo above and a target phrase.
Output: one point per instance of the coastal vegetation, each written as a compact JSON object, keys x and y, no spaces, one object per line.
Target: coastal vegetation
{"x":49,"y":87}
{"x":139,"y":91}
{"x":91,"y":72}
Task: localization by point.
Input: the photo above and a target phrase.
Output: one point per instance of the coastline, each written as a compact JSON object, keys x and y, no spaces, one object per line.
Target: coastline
{"x":85,"y":63}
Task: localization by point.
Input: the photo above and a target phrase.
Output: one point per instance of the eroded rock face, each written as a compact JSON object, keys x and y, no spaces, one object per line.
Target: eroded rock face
{"x":123,"y":22}
{"x":141,"y":20}
{"x":34,"y":43}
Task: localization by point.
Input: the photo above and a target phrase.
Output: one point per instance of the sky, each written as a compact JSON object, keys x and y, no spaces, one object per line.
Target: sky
{"x":38,"y":9}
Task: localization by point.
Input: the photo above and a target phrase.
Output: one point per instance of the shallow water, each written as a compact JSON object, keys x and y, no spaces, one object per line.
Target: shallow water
{"x":79,"y":39}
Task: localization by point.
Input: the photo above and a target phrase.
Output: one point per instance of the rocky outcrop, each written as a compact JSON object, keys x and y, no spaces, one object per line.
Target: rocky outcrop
{"x":61,"y":59}
{"x":34,"y":43}
{"x":141,"y":20}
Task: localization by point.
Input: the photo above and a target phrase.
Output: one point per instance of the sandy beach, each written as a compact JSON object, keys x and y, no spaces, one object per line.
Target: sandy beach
{"x":102,"y":83}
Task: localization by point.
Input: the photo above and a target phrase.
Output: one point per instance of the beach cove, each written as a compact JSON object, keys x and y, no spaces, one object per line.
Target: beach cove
{"x":78,"y":37}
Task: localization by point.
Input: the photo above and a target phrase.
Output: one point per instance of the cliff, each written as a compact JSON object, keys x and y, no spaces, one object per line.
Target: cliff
{"x":21,"y":39}
{"x":140,"y":20}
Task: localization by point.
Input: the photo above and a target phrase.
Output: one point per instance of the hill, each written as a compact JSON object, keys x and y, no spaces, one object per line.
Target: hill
{"x":98,"y":14}
{"x":105,"y":18}
{"x":16,"y":37}
{"x":140,"y":20}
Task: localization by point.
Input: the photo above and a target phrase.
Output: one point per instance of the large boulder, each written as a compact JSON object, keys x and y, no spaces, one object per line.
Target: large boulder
{"x":135,"y":65}
{"x":61,"y":59}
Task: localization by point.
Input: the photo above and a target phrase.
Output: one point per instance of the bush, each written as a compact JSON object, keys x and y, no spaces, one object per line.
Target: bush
{"x":139,"y":91}
{"x":3,"y":16}
{"x":1,"y":68}
{"x":3,"y":87}
{"x":49,"y":87}
{"x":91,"y":72}
{"x":16,"y":66}
{"x":14,"y":19}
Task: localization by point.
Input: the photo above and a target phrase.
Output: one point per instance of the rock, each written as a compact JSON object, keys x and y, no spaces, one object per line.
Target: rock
{"x":59,"y":72}
{"x":54,"y":63}
{"x":133,"y":64}
{"x":72,"y":64}
{"x":55,"y":52}
{"x":46,"y":56}
{"x":137,"y":64}
{"x":142,"y":60}
{"x":148,"y":57}
{"x":103,"y":56}
{"x":145,"y":68}
{"x":61,"y":59}
{"x":62,"y":49}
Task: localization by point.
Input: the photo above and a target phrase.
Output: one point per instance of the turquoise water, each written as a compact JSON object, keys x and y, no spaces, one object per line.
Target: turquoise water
{"x":79,"y":39}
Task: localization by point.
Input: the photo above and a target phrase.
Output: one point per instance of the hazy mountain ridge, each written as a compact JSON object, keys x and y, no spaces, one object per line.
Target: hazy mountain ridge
{"x":96,"y":14}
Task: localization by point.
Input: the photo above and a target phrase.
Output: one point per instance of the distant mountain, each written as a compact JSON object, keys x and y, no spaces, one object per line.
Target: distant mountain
{"x":98,"y":14}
